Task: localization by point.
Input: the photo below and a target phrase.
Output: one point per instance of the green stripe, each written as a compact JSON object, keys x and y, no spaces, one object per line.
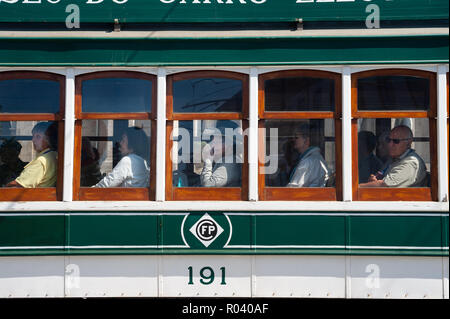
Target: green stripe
{"x":333,"y":252}
{"x":300,"y":230}
{"x":251,"y":51}
{"x":396,"y":231}
{"x":252,"y":233}
{"x":187,"y":11}
{"x":110,"y":230}
{"x":32,"y":231}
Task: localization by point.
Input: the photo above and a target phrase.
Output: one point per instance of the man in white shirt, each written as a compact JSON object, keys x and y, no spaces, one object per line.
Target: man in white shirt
{"x":311,"y":169}
{"x":221,"y":167}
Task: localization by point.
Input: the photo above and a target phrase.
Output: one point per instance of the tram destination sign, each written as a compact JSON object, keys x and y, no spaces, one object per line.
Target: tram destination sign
{"x":194,"y":11}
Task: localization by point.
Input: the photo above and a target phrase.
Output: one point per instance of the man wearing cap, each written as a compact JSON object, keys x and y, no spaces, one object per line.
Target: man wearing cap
{"x":407,"y":168}
{"x":40,"y":172}
{"x":12,"y":165}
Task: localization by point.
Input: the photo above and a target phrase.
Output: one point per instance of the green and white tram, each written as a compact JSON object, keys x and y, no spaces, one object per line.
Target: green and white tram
{"x":251,"y":148}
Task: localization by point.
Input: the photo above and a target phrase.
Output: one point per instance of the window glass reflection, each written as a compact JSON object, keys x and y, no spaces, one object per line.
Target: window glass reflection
{"x":299,"y":94}
{"x":207,"y":95}
{"x":28,"y":154}
{"x":115,"y":153}
{"x":29,"y":96}
{"x":117,"y":95}
{"x":300,"y":153}
{"x":394,"y":152}
{"x":207,"y":153}
{"x":393,"y":93}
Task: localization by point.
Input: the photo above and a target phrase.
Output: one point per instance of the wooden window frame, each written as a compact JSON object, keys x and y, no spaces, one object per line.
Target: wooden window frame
{"x":113,"y":193}
{"x":206,"y":193}
{"x":389,"y":193}
{"x":41,"y":193}
{"x":302,"y":193}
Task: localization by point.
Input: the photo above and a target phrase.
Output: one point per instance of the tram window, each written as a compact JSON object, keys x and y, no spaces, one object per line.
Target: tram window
{"x":205,"y":156}
{"x":31,"y":152}
{"x":207,"y":95}
{"x":115,"y":153}
{"x":395,"y":151}
{"x":115,"y":136}
{"x":395,"y":135}
{"x":117,"y":95}
{"x":300,"y":117}
{"x":299,"y":94}
{"x":28,"y":154}
{"x":300,"y":153}
{"x":391,"y":93}
{"x":29,"y":96}
{"x":207,"y":153}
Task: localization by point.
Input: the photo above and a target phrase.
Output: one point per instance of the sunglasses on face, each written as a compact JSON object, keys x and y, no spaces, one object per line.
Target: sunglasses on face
{"x":396,"y":140}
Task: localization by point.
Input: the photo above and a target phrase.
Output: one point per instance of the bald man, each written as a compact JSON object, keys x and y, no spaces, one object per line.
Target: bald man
{"x":407,"y":168}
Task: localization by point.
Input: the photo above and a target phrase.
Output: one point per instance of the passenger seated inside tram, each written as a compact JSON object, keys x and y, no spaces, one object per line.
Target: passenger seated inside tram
{"x":221,"y":168}
{"x":90,"y":167}
{"x":286,"y":165}
{"x":12,"y":165}
{"x":368,"y":163}
{"x":382,"y":148}
{"x":311,"y":169}
{"x":41,"y":172}
{"x":407,"y":168}
{"x":133,"y":169}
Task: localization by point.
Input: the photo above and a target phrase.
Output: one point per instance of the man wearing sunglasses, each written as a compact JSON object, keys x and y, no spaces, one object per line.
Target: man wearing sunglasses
{"x":407,"y":168}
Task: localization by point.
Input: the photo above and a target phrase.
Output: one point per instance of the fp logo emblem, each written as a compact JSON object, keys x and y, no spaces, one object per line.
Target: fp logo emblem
{"x":206,"y":230}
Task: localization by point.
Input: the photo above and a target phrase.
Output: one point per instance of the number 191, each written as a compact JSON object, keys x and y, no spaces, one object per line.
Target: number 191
{"x":207,"y":276}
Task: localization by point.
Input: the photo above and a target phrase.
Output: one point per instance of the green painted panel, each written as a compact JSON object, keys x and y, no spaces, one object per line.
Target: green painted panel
{"x":32,"y":231}
{"x":445,"y":231}
{"x":395,"y":231}
{"x":244,"y":233}
{"x":171,"y":230}
{"x":240,"y":51}
{"x":219,"y":11}
{"x":299,"y":230}
{"x":110,"y":230}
